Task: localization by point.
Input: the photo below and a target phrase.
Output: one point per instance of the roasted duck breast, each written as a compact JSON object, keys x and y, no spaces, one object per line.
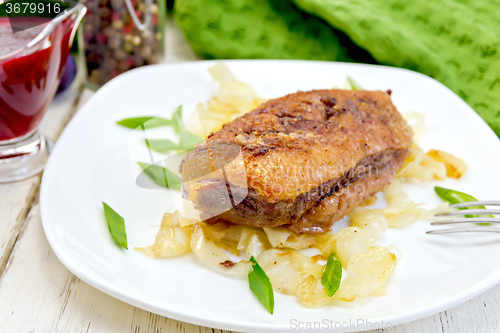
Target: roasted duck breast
{"x":301,"y":161}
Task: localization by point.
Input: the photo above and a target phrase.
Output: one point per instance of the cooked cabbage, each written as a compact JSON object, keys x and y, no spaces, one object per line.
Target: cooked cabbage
{"x":361,"y":217}
{"x":419,"y":167}
{"x":214,"y":257}
{"x":306,"y":265}
{"x":172,"y":240}
{"x":435,"y":164}
{"x":400,"y":212}
{"x":281,"y":270}
{"x":277,"y":236}
{"x":417,"y":122}
{"x":366,"y":273}
{"x":255,"y":246}
{"x":233,"y":99}
{"x":280,"y":237}
{"x":348,"y":242}
{"x":455,"y":167}
{"x":369,"y":201}
{"x":290,"y":271}
{"x":311,"y":293}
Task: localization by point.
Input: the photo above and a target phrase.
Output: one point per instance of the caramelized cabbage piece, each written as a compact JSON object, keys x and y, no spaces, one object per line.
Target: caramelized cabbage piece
{"x":435,"y":164}
{"x":213,"y":256}
{"x":420,"y":168}
{"x":366,"y":273}
{"x":280,"y":237}
{"x":401,"y":210}
{"x":347,"y":242}
{"x":281,"y":270}
{"x":417,"y":122}
{"x":361,"y":218}
{"x":455,"y":167}
{"x":234,"y":98}
{"x":172,"y":240}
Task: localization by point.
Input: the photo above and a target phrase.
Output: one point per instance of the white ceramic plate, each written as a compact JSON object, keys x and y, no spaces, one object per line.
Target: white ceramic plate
{"x":92,"y":163}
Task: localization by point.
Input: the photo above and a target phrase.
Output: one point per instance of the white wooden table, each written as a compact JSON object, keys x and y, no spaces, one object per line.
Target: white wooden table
{"x":38,"y":294}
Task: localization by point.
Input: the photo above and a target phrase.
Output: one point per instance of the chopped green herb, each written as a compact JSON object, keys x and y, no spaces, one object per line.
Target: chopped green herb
{"x":187,"y":139}
{"x":162,"y":145}
{"x":151,"y":122}
{"x":354,"y":85}
{"x":454,"y":197}
{"x":161,"y":176}
{"x":116,"y":225}
{"x":332,"y":275}
{"x":186,"y":142}
{"x":177,"y":123}
{"x":261,"y":286}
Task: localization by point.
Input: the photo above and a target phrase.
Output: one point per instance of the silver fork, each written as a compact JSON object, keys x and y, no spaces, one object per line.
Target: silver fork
{"x":471,"y":219}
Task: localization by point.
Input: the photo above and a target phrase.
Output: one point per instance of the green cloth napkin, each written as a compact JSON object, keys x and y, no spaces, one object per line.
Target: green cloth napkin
{"x":456,"y":42}
{"x":255,"y":29}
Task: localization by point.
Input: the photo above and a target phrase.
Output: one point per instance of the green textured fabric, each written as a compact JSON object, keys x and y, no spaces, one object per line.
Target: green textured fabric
{"x":455,"y":41}
{"x":255,"y":29}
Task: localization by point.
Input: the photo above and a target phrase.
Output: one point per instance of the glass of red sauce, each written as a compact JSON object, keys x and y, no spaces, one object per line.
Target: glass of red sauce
{"x":31,"y":63}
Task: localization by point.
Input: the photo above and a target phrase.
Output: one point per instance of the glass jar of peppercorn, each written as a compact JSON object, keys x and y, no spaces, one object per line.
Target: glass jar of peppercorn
{"x":118,"y":35}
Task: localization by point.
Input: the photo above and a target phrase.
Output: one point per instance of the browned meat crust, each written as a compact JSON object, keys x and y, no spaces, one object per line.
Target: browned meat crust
{"x":300,"y":160}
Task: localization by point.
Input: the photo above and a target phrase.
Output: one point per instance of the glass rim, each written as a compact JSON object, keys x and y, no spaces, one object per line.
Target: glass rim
{"x":47,"y":30}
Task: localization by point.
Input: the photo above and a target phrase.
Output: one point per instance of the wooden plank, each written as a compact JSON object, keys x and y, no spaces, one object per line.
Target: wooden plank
{"x":16,"y":197}
{"x":37,"y":294}
{"x":15,"y":201}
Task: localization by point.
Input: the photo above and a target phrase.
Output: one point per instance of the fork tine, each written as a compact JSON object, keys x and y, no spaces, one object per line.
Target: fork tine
{"x":457,"y":230}
{"x":468,"y":220}
{"x":476,"y":203}
{"x":471,"y":212}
